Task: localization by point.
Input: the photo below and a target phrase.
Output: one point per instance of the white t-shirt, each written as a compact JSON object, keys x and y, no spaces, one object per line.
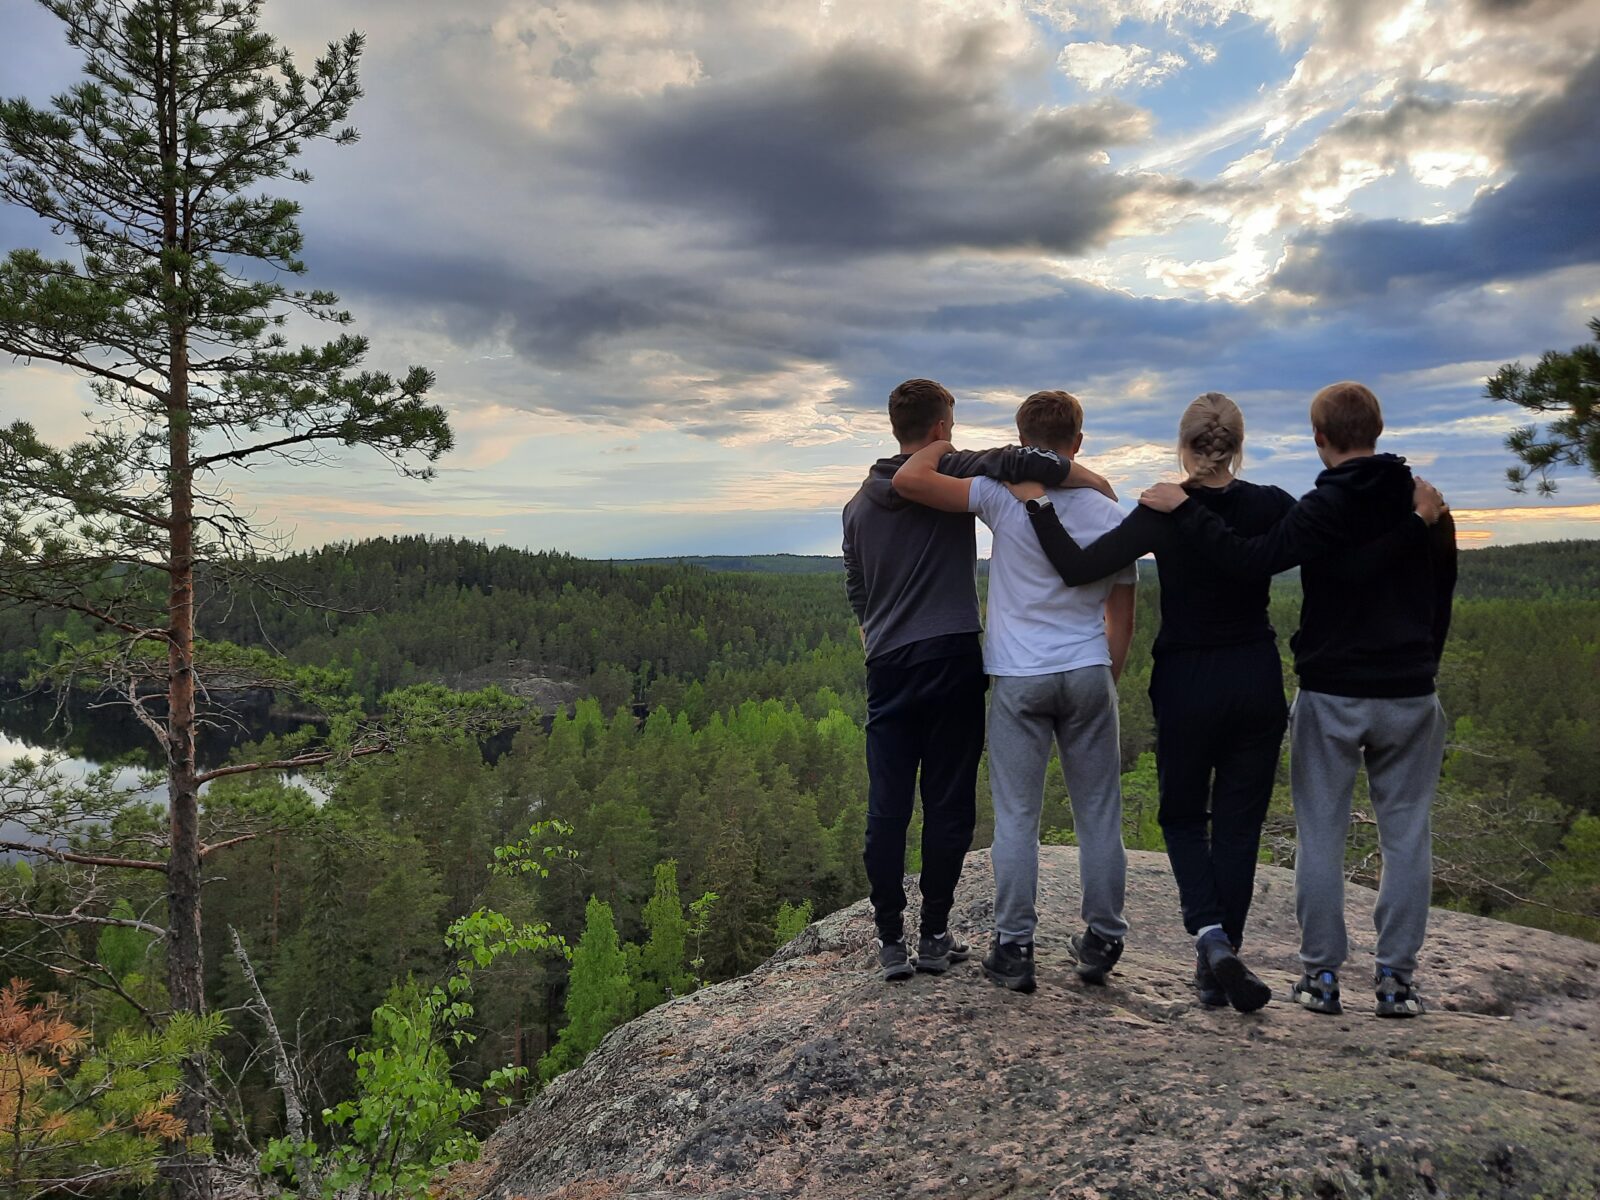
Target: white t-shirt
{"x":1038,"y":625}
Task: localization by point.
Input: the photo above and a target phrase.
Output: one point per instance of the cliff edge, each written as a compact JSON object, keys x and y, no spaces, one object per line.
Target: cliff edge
{"x":810,"y":1077}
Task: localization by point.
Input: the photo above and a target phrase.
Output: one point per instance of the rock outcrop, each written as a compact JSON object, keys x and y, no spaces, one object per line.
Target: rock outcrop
{"x":809,"y":1077}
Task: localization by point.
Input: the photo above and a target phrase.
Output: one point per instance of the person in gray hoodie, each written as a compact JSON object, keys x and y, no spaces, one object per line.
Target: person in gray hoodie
{"x":909,"y":573}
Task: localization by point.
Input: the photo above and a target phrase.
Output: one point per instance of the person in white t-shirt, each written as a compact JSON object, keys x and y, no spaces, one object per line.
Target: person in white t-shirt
{"x":1055,"y":653}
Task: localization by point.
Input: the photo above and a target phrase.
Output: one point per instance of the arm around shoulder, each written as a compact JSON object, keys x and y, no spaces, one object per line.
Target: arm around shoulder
{"x":919,"y":480}
{"x":1139,"y":533}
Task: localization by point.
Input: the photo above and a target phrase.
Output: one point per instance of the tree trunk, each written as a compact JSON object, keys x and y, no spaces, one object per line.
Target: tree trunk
{"x":188,"y":1172}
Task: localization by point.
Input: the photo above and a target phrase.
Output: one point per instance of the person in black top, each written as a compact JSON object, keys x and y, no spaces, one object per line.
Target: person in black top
{"x":909,"y":575}
{"x":1216,"y":687}
{"x":1372,"y":628}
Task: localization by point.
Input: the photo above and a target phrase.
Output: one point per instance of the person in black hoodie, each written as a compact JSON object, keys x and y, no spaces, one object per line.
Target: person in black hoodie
{"x":909,"y":574}
{"x":1373,"y":621}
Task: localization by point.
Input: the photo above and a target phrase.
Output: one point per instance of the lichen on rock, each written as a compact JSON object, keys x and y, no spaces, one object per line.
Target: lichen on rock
{"x":811,"y":1078}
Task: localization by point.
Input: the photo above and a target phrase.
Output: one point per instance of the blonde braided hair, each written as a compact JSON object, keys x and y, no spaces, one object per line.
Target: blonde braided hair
{"x":1211,"y":437}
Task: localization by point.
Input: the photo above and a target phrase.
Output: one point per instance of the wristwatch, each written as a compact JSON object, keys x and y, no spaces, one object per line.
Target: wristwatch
{"x":1042,"y":504}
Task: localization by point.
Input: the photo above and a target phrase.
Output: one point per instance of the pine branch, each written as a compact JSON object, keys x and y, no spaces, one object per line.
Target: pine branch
{"x":87,"y":860}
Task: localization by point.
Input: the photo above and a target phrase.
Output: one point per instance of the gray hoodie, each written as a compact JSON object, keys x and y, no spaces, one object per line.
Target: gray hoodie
{"x":909,"y":570}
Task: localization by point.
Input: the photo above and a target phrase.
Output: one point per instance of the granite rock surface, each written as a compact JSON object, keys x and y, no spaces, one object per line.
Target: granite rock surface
{"x":811,"y":1078}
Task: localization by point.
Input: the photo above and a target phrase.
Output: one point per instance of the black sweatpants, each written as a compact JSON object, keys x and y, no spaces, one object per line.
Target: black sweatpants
{"x":928,"y":715}
{"x":1220,"y":717}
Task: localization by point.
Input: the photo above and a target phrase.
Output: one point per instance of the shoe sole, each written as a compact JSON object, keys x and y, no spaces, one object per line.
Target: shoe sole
{"x":897,"y":974}
{"x":1244,"y":992}
{"x":1323,"y":1008}
{"x":1012,"y":983}
{"x":1405,"y":1008}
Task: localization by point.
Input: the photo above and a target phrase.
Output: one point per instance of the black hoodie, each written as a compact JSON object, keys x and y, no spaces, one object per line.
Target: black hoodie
{"x":1376,"y":608}
{"x":908,"y":568}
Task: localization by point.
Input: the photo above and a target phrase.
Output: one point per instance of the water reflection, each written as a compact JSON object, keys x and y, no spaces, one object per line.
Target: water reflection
{"x":92,"y":735}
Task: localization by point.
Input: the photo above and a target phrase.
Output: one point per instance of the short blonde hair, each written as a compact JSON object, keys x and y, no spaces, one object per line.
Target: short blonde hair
{"x":1211,"y":436}
{"x":1348,"y":415}
{"x":1050,"y":419}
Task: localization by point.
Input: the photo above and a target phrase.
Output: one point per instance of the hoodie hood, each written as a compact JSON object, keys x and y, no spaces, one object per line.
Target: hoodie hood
{"x":878,"y":486}
{"x":1381,"y":478}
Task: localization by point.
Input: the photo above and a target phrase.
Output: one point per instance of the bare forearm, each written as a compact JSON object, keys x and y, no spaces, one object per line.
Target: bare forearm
{"x":1119,"y":627}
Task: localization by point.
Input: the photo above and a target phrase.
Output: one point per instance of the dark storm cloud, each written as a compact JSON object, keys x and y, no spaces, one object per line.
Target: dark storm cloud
{"x":1543,"y":218}
{"x":1522,"y":8}
{"x":861,"y":152}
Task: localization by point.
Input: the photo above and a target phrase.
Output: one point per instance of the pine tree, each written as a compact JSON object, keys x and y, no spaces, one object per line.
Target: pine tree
{"x":739,"y":936}
{"x":663,"y":961}
{"x":1565,"y":389}
{"x":792,"y":921}
{"x":599,"y":992}
{"x":172,"y":307}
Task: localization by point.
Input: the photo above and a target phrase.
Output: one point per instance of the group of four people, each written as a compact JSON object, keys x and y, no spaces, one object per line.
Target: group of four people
{"x":1376,"y":548}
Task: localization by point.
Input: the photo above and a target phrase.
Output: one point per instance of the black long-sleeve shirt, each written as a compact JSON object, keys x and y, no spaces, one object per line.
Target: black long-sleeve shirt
{"x":1377,"y":583}
{"x":1200,"y":606}
{"x":909,"y":570}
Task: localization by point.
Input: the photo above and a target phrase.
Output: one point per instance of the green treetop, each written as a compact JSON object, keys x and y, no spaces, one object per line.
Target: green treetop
{"x":599,"y":992}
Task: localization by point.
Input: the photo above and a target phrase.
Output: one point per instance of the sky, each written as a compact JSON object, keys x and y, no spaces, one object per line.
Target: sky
{"x":668,"y":258}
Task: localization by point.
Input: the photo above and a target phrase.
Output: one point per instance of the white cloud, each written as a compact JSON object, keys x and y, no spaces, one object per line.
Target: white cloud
{"x":1105,"y":66}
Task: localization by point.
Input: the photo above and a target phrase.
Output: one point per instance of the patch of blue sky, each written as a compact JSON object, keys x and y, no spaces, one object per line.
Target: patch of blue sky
{"x":1400,"y":196}
{"x":1248,"y":62}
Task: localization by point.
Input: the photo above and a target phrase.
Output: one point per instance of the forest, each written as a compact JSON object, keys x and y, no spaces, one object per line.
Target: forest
{"x":696,"y":805}
{"x":314,"y":864}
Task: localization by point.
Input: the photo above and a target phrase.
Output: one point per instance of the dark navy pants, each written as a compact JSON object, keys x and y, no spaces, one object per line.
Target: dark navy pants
{"x":1220,"y":718}
{"x":927,"y":717}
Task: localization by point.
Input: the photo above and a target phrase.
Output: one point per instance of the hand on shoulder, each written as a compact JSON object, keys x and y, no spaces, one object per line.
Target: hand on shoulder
{"x":1163,"y":497}
{"x":1428,"y":501}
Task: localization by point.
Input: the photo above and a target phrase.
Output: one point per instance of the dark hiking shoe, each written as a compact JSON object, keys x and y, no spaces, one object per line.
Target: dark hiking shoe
{"x":1205,"y":983}
{"x":936,"y":955}
{"x":1010,"y":964}
{"x":1239,"y":983}
{"x":1319,"y":993}
{"x":1397,"y":997}
{"x":1096,"y":955}
{"x":893,"y":961}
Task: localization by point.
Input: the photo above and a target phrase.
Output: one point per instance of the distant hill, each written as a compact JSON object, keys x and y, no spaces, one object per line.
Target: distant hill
{"x":1568,"y":570}
{"x":761,"y":564}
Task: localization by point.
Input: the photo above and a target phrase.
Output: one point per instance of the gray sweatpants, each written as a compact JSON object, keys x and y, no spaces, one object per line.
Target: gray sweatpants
{"x":1401,"y":741}
{"x":1079,"y":710}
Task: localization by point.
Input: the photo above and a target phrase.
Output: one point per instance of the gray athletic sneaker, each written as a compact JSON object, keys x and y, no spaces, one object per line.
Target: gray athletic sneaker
{"x":936,"y":955}
{"x":1318,"y":992}
{"x":1397,"y":997}
{"x":893,"y":960}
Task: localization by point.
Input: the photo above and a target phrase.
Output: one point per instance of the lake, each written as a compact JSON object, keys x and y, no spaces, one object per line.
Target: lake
{"x":95,"y":735}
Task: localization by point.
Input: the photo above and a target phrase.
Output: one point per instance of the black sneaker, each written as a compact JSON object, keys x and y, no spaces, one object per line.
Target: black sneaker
{"x":1096,"y":955}
{"x":936,"y":955}
{"x":1010,"y":964}
{"x":1211,"y":993}
{"x":893,"y":961}
{"x":1239,"y":983}
{"x":1319,"y":993}
{"x":1396,"y":997}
